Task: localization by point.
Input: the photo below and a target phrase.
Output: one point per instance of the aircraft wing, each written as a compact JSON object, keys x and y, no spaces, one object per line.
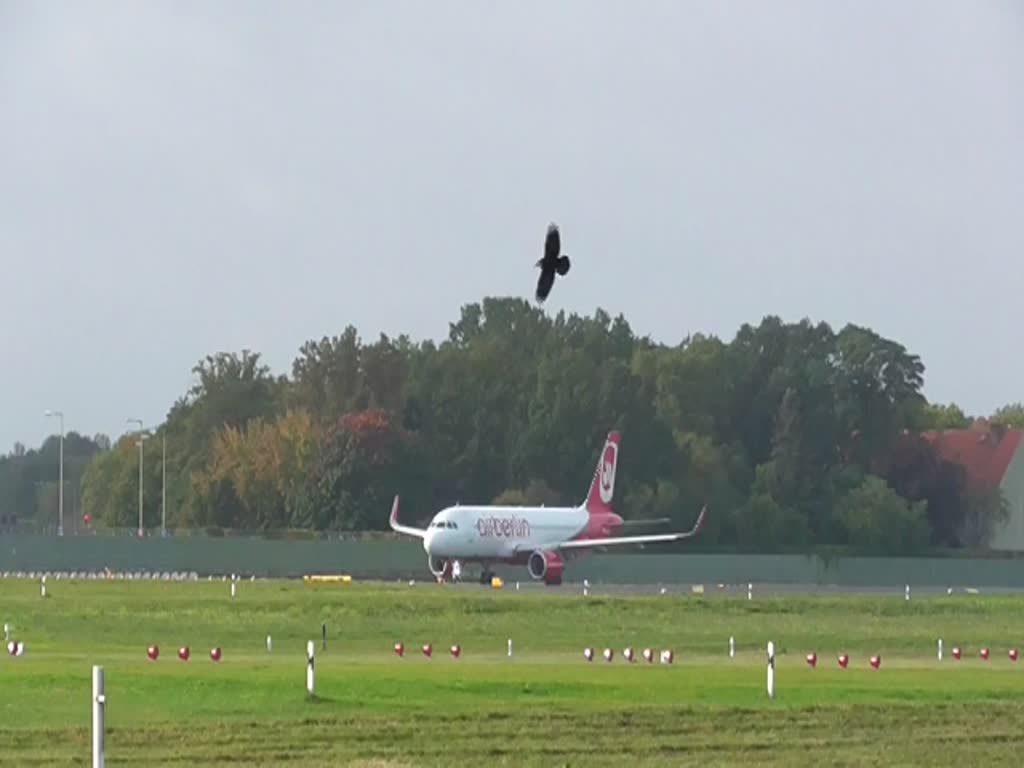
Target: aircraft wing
{"x":646,"y":521}
{"x":625,"y":540}
{"x":406,"y":529}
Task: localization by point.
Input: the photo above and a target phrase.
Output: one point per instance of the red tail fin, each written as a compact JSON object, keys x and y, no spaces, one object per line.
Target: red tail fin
{"x":602,"y":488}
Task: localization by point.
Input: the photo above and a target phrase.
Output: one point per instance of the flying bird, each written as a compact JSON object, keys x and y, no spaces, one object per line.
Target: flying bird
{"x":552,"y":262}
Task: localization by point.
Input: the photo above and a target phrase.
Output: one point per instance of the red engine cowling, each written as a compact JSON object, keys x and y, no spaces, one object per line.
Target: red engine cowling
{"x":546,"y":565}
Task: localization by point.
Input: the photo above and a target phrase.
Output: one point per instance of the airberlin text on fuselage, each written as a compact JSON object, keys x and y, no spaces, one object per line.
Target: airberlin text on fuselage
{"x":503,"y":527}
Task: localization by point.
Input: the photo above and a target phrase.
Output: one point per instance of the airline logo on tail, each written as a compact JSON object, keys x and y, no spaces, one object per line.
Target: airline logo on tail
{"x":611,"y":457}
{"x":602,"y":488}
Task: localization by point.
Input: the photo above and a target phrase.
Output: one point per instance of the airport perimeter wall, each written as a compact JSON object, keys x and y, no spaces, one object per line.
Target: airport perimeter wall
{"x":403,"y":559}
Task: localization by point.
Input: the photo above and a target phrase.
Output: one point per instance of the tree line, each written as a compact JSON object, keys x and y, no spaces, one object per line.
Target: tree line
{"x":794,"y":434}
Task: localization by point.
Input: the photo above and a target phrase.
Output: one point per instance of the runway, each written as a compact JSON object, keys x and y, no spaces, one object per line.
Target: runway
{"x":576,"y":589}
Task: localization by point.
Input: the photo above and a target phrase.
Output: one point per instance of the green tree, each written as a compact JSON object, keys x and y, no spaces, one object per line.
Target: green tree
{"x":1011,"y":415}
{"x":937,"y":416}
{"x":986,"y":509}
{"x":878,"y":520}
{"x":779,"y":430}
{"x":366,"y":458}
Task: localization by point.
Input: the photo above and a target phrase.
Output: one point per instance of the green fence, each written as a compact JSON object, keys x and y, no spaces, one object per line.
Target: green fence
{"x":402,"y":559}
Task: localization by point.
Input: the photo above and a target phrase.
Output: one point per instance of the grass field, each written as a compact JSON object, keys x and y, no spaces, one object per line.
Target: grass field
{"x":545,"y":706}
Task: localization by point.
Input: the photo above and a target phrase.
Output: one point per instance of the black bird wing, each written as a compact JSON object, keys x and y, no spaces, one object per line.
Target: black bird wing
{"x":552,"y":243}
{"x":544,"y":282}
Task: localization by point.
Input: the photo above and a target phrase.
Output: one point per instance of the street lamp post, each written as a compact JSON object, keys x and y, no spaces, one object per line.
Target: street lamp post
{"x":163,"y":490}
{"x":60,"y":481}
{"x":142,"y":437}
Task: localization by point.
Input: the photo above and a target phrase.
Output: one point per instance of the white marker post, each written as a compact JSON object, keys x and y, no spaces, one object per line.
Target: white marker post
{"x":7,"y":632}
{"x":42,"y":589}
{"x":270,"y":644}
{"x":510,"y":647}
{"x":732,"y":647}
{"x":907,"y":593}
{"x":586,"y":587}
{"x":771,"y":670}
{"x":99,"y":703}
{"x":232,"y":585}
{"x":310,"y":649}
{"x":750,"y":591}
{"x":940,"y":649}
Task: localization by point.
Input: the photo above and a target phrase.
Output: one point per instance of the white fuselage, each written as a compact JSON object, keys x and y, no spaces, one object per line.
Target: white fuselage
{"x":497,"y":532}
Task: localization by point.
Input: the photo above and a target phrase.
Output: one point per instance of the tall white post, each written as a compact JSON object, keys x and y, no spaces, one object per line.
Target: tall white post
{"x":940,"y":649}
{"x":142,"y":438}
{"x":510,"y":647}
{"x":60,"y":481}
{"x":310,"y":649}
{"x":750,"y":591}
{"x":907,"y":593}
{"x":732,"y":647}
{"x":60,"y":476}
{"x":42,"y":588}
{"x":771,"y":670}
{"x":163,"y":490}
{"x":99,"y":703}
{"x":7,"y":632}
{"x":140,"y":486}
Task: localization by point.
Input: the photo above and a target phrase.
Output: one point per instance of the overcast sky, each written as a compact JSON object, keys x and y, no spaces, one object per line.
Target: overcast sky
{"x":181,"y":178}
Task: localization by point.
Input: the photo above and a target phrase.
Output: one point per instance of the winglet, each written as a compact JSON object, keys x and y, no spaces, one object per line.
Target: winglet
{"x":406,"y":529}
{"x":700,"y":521}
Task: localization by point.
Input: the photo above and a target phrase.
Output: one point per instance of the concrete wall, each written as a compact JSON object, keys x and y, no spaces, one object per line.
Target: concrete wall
{"x":405,"y":559}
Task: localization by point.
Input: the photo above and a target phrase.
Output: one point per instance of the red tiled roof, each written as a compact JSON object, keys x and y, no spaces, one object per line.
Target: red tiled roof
{"x":984,"y":452}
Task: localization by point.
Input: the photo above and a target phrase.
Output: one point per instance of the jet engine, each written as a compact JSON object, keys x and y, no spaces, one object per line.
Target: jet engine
{"x":546,"y":565}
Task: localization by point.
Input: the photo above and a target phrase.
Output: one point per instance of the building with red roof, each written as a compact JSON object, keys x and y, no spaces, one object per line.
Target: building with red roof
{"x":992,"y":456}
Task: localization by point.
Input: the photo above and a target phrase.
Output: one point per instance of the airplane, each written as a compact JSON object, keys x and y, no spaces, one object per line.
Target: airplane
{"x":541,"y":538}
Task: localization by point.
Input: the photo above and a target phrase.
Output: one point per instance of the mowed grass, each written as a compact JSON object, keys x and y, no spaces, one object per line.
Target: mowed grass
{"x":545,"y":706}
